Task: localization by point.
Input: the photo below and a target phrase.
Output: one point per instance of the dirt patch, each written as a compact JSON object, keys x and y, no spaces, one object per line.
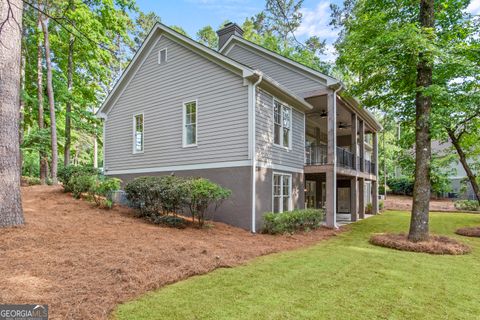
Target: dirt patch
{"x":394,"y":202}
{"x":469,"y":231}
{"x":82,"y":261}
{"x":435,"y":245}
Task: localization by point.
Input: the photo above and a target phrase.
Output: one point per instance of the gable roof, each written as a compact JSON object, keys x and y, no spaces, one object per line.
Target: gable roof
{"x":226,"y":62}
{"x":231,"y":41}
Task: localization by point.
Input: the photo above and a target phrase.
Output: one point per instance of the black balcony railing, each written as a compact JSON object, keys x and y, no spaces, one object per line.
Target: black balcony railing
{"x":345,"y":158}
{"x":369,"y":167}
{"x":316,"y":155}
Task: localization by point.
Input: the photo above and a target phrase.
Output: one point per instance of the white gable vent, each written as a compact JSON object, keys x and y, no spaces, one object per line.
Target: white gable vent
{"x":162,"y":56}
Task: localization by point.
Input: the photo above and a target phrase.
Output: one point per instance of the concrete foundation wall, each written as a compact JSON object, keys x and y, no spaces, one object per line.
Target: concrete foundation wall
{"x":236,"y":210}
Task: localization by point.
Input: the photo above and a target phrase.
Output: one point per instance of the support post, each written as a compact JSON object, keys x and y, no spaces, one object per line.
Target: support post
{"x":354,"y":140}
{"x":331,"y":174}
{"x":362,"y":146}
{"x":353,"y":199}
{"x":361,"y":198}
{"x":375,"y":172}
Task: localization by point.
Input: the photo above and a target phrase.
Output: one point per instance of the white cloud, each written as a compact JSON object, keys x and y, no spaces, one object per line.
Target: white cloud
{"x":330,"y":54}
{"x":229,"y":9}
{"x":474,"y":7}
{"x":315,"y":22}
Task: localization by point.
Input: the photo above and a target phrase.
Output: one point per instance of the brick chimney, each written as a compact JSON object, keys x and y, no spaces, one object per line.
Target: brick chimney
{"x":227,"y":31}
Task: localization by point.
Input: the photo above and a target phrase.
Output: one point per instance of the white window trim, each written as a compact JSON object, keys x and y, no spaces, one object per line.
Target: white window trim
{"x":160,"y":55}
{"x":284,"y":105}
{"x":290,"y":202}
{"x":184,"y":118}
{"x":134,"y":129}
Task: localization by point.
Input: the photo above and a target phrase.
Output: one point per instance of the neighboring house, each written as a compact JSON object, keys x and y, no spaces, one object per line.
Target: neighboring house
{"x":460,"y":186}
{"x":275,"y":132}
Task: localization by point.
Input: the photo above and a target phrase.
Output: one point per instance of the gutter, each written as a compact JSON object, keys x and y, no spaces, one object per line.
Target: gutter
{"x":254,"y":153}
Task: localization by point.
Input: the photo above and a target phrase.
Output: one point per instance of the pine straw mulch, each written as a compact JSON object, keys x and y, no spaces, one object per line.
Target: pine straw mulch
{"x":469,"y":231}
{"x":435,"y":245}
{"x":82,"y":261}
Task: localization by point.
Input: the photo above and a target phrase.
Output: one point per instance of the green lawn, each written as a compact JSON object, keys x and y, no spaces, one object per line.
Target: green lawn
{"x":342,"y":278}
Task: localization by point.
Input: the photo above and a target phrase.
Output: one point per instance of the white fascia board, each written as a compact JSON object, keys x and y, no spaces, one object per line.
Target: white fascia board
{"x":212,"y":165}
{"x":245,"y":71}
{"x":328,"y":79}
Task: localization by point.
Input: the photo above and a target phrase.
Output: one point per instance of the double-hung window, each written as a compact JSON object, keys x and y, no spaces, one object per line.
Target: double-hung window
{"x":138,"y":136}
{"x":282,"y":119}
{"x":282,"y":192}
{"x":190,"y":124}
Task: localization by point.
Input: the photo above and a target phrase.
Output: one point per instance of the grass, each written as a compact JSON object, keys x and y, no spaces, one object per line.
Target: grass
{"x":342,"y":278}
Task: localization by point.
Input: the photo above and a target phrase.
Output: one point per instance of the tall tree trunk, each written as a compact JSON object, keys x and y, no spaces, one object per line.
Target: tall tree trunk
{"x":22,"y":102}
{"x":11,"y":212}
{"x":68,"y":109}
{"x":463,"y":160}
{"x":51,"y":102}
{"x":41,"y":123}
{"x":423,"y":153}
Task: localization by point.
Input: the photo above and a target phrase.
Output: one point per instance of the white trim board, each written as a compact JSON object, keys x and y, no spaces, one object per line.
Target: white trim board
{"x":213,"y":165}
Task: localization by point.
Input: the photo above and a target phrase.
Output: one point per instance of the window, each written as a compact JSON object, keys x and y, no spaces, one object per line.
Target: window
{"x":282,"y":122}
{"x":138,"y":133}
{"x":162,"y":56}
{"x":190,"y":124}
{"x":282,"y":192}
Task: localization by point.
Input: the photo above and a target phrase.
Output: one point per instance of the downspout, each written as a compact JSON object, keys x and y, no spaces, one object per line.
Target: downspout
{"x":254,"y":151}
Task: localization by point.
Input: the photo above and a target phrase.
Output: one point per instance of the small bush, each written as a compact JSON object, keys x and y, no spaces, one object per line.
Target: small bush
{"x":170,"y":221}
{"x":156,"y":195}
{"x":381,"y":205}
{"x":66,"y":174}
{"x":30,"y":181}
{"x":402,"y":186}
{"x":202,"y":194}
{"x":369,"y":208}
{"x":292,"y":221}
{"x":81,"y":184}
{"x":467,"y":205}
{"x":101,"y":189}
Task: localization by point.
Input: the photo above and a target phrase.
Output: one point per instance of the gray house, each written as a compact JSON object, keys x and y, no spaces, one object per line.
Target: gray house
{"x":278,"y":134}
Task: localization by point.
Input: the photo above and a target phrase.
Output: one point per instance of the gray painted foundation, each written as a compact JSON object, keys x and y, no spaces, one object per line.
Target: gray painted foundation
{"x":236,"y":210}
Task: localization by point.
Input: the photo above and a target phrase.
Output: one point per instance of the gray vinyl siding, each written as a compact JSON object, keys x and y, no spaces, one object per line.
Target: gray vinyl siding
{"x":296,"y":80}
{"x":158,"y":91}
{"x":266,"y":151}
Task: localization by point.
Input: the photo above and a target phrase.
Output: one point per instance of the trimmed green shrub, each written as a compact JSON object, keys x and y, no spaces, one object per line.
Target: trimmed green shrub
{"x":467,"y":205}
{"x":202,"y":194}
{"x":161,"y":196}
{"x":156,"y":195}
{"x":369,"y":208}
{"x":403,"y":186}
{"x":293,"y":221}
{"x":66,"y":174}
{"x":81,"y":184}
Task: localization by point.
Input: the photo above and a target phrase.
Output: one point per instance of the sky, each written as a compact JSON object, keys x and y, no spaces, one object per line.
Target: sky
{"x":192,"y":15}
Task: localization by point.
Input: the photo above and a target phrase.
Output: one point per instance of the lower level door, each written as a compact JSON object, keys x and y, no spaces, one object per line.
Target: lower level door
{"x":343,"y":203}
{"x":310,"y":194}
